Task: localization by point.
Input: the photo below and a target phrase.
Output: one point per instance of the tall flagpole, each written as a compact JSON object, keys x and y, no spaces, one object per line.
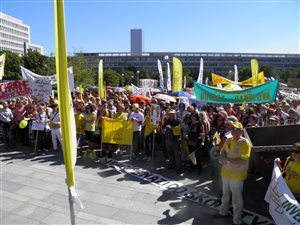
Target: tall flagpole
{"x":65,"y":104}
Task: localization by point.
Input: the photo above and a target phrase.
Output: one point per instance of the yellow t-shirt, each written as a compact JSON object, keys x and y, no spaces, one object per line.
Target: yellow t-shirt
{"x":79,"y":123}
{"x":231,"y":171}
{"x":149,"y":126}
{"x":120,"y":116}
{"x":90,"y":121}
{"x":292,"y":175}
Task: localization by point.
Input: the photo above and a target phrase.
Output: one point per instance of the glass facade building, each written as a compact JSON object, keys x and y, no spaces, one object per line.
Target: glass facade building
{"x":219,"y":63}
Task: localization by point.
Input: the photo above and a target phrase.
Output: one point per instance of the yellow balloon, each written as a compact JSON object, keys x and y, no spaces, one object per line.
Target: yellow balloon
{"x":23,"y":124}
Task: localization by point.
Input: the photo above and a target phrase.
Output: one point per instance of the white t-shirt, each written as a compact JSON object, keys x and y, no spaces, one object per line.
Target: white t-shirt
{"x":140,"y":117}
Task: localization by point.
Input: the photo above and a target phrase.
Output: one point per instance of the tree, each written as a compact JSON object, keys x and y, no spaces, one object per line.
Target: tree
{"x":245,"y":74}
{"x":129,"y":77}
{"x":83,"y":74}
{"x":111,"y":77}
{"x":36,"y":62}
{"x":12,"y":65}
{"x":269,"y":70}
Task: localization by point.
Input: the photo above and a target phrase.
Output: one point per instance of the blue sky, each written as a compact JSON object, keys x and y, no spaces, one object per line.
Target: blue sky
{"x":169,"y":26}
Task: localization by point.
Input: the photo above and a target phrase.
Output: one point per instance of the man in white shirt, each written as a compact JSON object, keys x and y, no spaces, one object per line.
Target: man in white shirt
{"x":138,"y":118}
{"x":54,"y":124}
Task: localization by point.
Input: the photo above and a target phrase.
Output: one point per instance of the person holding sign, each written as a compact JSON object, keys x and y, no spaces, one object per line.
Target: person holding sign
{"x":234,"y":158}
{"x":41,"y":120}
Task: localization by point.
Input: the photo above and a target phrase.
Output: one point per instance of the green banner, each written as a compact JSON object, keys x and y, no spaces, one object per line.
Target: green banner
{"x":263,"y":93}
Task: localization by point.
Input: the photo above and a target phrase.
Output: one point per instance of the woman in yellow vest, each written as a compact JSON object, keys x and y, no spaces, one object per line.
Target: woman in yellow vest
{"x":120,"y":115}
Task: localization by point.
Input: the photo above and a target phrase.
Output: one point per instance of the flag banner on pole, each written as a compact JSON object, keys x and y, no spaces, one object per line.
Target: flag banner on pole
{"x":104,"y":91}
{"x":139,"y":91}
{"x":177,"y":75}
{"x":283,"y":207}
{"x":236,"y":74}
{"x":249,"y":82}
{"x":184,"y":81}
{"x":117,"y":132}
{"x":200,"y":76}
{"x":169,"y":85}
{"x":254,"y":71}
{"x":29,"y":75}
{"x":65,"y":102}
{"x":2,"y":64}
{"x":259,"y":94}
{"x":161,"y":76}
{"x":100,"y":80}
{"x":217,"y":79}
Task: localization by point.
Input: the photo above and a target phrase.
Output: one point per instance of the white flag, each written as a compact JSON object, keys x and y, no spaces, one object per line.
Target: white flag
{"x":283,"y":206}
{"x":2,"y":64}
{"x":200,"y":76}
{"x":206,"y":81}
{"x":169,"y":85}
{"x":236,"y":74}
{"x":184,"y":82}
{"x":161,"y":77}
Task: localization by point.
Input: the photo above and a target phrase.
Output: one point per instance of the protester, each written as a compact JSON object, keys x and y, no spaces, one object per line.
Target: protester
{"x":172,"y":142}
{"x":234,"y":159}
{"x":54,"y":124}
{"x":291,"y":170}
{"x":6,"y":117}
{"x":89,"y":125}
{"x":138,"y":118}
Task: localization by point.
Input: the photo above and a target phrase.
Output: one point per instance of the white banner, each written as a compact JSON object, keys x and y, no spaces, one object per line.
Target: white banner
{"x":2,"y":64}
{"x":236,"y":74}
{"x":161,"y":76}
{"x":148,"y":83}
{"x":283,"y":206}
{"x":139,"y":91}
{"x":28,"y":75}
{"x":169,"y":85}
{"x":200,"y":76}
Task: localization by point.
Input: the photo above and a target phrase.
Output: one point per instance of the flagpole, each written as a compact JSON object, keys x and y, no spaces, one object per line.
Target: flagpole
{"x":71,"y":204}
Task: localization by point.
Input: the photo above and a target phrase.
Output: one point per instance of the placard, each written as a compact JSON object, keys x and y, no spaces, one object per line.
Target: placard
{"x":38,"y":126}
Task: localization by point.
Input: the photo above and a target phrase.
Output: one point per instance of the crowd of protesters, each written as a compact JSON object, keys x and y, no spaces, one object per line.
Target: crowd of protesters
{"x":183,"y":131}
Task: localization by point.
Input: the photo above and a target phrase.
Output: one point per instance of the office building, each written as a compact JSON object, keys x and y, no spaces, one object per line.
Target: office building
{"x":219,"y":63}
{"x":136,"y":41}
{"x":15,"y":36}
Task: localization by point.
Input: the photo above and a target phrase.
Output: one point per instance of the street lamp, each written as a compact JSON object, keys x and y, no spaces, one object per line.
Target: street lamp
{"x":138,"y":77}
{"x":122,"y":81}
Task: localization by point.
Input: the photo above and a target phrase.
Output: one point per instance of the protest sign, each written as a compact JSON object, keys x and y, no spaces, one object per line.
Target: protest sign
{"x":149,"y":83}
{"x":117,"y":132}
{"x":37,"y":126}
{"x":14,"y":89}
{"x":283,"y":206}
{"x":155,"y":114}
{"x":41,"y":89}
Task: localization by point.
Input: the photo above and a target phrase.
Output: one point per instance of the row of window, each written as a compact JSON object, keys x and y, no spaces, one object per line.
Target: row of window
{"x":11,"y":24}
{"x":12,"y":31}
{"x":11,"y":44}
{"x":13,"y":38}
{"x":12,"y":50}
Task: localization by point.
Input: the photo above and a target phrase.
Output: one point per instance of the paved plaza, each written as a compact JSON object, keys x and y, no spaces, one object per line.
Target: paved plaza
{"x":33,"y":191}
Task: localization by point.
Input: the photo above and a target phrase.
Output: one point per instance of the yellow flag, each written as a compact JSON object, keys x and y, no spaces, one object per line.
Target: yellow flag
{"x":2,"y":64}
{"x":65,"y":103}
{"x":254,"y":71}
{"x":100,"y":80}
{"x":117,"y":131}
{"x":177,"y":75}
{"x":261,"y":77}
{"x":216,"y":79}
{"x":104,"y":91}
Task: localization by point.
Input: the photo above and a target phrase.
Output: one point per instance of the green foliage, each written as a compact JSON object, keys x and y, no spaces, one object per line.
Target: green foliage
{"x":111,"y":77}
{"x":83,"y":74}
{"x":36,"y":62}
{"x":129,"y":77}
{"x":12,"y":70}
{"x":245,"y":74}
{"x":269,"y":70}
